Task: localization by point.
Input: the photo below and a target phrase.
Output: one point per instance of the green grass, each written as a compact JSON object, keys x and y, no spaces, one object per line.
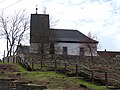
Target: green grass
{"x":52,"y":80}
{"x":55,"y":80}
{"x":90,"y":85}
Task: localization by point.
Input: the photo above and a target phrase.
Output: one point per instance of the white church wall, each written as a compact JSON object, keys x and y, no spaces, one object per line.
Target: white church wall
{"x":72,"y":48}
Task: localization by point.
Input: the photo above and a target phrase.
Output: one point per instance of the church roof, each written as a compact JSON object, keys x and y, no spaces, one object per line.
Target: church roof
{"x":67,"y":35}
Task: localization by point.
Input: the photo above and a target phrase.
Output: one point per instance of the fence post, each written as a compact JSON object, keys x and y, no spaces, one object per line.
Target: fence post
{"x":65,"y":69}
{"x":32,"y":65}
{"x":4,"y":56}
{"x":13,"y":59}
{"x":92,"y":76}
{"x":8,"y":59}
{"x":76,"y":70}
{"x":106,"y":79}
{"x":55,"y":65}
{"x":3,"y":59}
{"x":17,"y":57}
{"x":41,"y":65}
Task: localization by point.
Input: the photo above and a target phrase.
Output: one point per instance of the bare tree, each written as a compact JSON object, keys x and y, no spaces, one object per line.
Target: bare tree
{"x":52,"y":19}
{"x":92,"y":46}
{"x":13,"y":29}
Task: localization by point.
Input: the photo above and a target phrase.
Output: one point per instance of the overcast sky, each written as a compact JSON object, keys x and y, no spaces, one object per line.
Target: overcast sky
{"x":100,"y":17}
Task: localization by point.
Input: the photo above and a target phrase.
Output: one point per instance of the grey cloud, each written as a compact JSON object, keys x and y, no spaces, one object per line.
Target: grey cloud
{"x":107,"y":0}
{"x":84,"y":21}
{"x":115,"y":8}
{"x":99,"y":1}
{"x":108,"y":22}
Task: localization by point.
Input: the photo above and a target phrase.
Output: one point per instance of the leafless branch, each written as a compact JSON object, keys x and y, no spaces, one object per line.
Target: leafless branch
{"x":13,"y":28}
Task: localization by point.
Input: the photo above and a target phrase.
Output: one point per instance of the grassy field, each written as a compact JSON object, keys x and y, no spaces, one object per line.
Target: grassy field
{"x":50,"y":79}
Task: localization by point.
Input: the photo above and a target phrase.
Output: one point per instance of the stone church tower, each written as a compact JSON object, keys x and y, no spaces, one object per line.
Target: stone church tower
{"x":39,"y":33}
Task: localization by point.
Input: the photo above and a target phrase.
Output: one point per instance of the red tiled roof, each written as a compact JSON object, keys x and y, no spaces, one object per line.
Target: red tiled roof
{"x":111,"y":54}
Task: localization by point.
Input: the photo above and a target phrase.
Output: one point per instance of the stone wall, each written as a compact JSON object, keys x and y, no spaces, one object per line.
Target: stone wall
{"x":12,"y":84}
{"x":4,"y":84}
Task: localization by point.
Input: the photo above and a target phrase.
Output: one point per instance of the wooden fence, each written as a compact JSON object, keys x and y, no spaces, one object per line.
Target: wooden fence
{"x":67,"y":67}
{"x":10,"y":59}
